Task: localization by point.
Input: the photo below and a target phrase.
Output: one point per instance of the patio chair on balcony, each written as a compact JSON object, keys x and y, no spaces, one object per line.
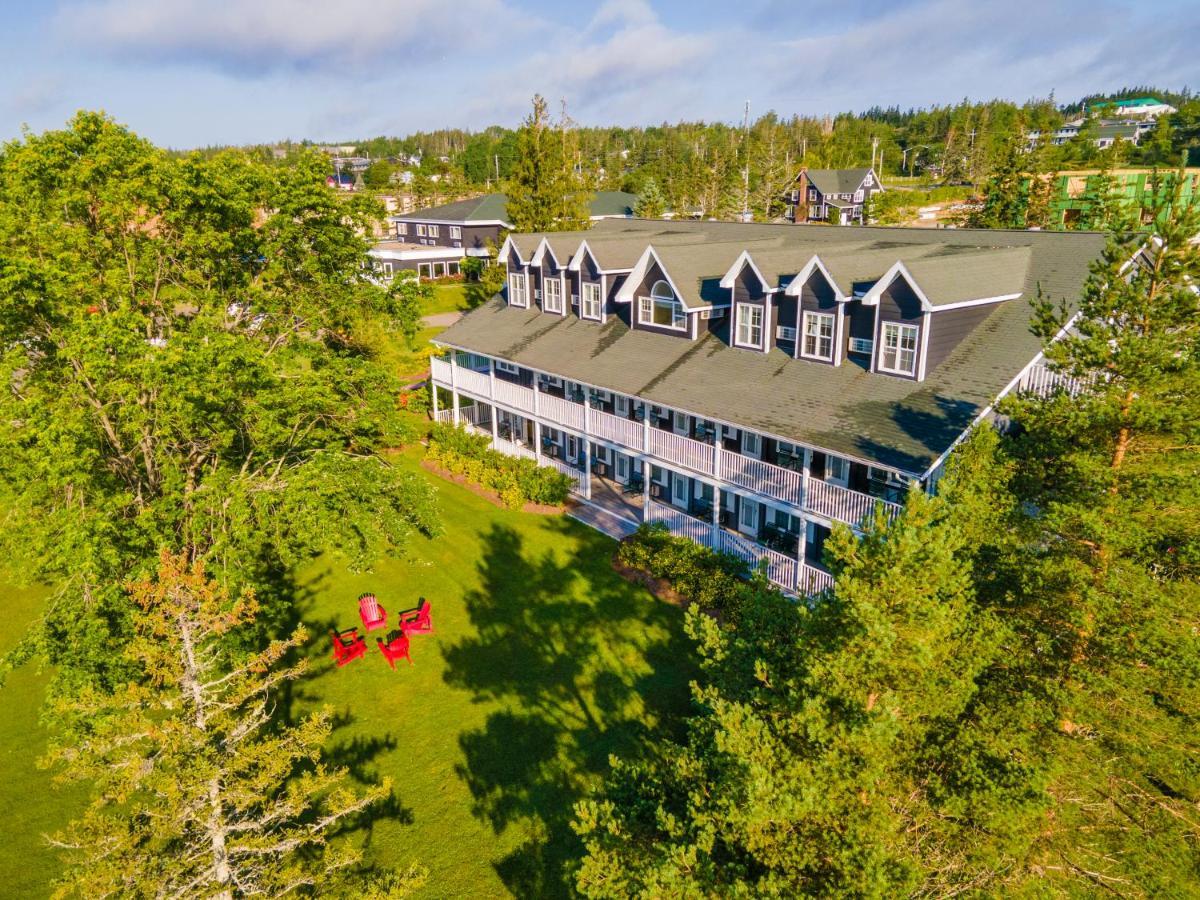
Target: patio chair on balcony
{"x":635,"y":485}
{"x":396,"y":648}
{"x":418,"y":620}
{"x":347,"y":645}
{"x":372,"y":614}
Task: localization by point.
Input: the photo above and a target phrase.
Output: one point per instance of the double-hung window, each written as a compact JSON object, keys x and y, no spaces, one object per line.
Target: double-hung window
{"x":818,"y":335}
{"x":455,"y":232}
{"x":590,"y":295}
{"x":899,"y":351}
{"x":518,"y":294}
{"x":749,"y":325}
{"x":433,"y":230}
{"x":420,"y":231}
{"x":401,"y":229}
{"x":552,"y":295}
{"x":662,"y":309}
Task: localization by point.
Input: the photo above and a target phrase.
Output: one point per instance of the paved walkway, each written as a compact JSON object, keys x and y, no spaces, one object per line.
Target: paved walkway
{"x":441,"y":320}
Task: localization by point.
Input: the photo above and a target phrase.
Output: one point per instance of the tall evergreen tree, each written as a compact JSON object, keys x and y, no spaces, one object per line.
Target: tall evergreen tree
{"x":197,"y":795}
{"x":545,"y":193}
{"x":1106,"y":588}
{"x":651,"y":204}
{"x":838,"y":750}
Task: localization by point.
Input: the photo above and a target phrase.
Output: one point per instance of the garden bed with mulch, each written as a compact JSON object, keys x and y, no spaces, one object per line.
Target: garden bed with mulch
{"x":659,"y":587}
{"x":540,"y":509}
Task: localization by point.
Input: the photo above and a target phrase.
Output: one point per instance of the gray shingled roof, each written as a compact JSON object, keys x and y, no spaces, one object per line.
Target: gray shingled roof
{"x":493,"y":207}
{"x":898,"y":423}
{"x":837,"y":181}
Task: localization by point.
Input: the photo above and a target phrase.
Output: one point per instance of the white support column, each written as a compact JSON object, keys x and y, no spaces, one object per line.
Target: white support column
{"x":495,"y":426}
{"x":801,"y":547}
{"x":645,"y":427}
{"x":433,"y":395}
{"x":454,"y":384}
{"x":492,"y":379}
{"x":645,"y":490}
{"x":717,"y":458}
{"x":716,"y":518}
{"x":537,"y":441}
{"x":804,"y":477}
{"x":587,"y":469}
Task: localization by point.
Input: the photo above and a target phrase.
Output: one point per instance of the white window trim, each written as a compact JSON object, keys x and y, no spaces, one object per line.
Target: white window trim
{"x":433,"y":230}
{"x":804,"y":335}
{"x":518,"y":290}
{"x":401,"y":228}
{"x":557,"y":298}
{"x":737,"y":325}
{"x":456,"y":232}
{"x":421,"y":231}
{"x":882,"y":351}
{"x":646,"y":313}
{"x":502,"y":366}
{"x":586,"y":289}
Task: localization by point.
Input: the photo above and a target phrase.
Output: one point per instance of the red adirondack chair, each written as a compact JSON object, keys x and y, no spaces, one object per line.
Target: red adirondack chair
{"x":373,"y":615}
{"x":417,"y":621}
{"x":396,"y":648}
{"x":347,"y":645}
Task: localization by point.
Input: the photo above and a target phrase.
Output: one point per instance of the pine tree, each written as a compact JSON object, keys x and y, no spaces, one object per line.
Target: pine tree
{"x":1106,"y":583}
{"x":651,"y":203}
{"x":199,"y":792}
{"x":545,"y":193}
{"x":1106,"y":207}
{"x":1004,"y":198}
{"x":838,"y":751}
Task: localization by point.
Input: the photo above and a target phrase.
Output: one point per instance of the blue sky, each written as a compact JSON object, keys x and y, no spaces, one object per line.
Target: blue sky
{"x":193,"y":72}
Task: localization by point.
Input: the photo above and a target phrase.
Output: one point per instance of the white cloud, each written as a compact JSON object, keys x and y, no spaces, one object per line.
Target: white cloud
{"x":264,"y":35}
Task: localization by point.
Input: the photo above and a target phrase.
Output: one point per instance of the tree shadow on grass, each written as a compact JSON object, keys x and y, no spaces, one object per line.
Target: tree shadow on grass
{"x":584,"y":665}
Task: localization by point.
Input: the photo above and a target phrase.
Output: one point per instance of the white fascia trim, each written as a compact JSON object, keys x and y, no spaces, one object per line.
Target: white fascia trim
{"x":982,"y":301}
{"x":412,"y":218}
{"x":796,"y":285}
{"x":898,"y":269}
{"x":510,"y":244}
{"x":987,"y":410}
{"x":925,"y":320}
{"x":540,"y":252}
{"x":575,"y":263}
{"x":638,"y":273}
{"x":744,"y":259}
{"x":707,"y":417}
{"x":447,"y":253}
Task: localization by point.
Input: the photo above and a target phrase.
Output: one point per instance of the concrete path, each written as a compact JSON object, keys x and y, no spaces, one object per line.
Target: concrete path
{"x":441,"y":320}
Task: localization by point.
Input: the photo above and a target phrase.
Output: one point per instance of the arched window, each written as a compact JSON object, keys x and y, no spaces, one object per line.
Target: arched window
{"x":661,"y":308}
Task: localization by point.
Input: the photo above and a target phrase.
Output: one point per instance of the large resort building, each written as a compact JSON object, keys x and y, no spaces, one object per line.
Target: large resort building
{"x":752,"y":385}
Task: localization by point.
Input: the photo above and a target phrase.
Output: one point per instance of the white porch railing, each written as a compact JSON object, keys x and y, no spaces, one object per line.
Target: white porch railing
{"x":560,"y":411}
{"x":782,"y":570}
{"x":681,"y":450}
{"x":836,"y":502}
{"x":574,"y":474}
{"x":444,"y":415}
{"x":813,"y":580}
{"x":614,"y":428}
{"x":763,"y":477}
{"x":513,"y":396}
{"x":439,"y":370}
{"x":514,"y":449}
{"x":769,"y":480}
{"x":1042,"y":381}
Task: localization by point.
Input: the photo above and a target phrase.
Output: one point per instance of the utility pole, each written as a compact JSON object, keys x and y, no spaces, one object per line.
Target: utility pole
{"x":746,"y":168}
{"x":803,"y":149}
{"x":874,"y":146}
{"x":496,"y":159}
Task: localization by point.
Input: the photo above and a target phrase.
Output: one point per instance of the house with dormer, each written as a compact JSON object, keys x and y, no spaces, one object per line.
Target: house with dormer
{"x":752,"y":386}
{"x":837,"y":196}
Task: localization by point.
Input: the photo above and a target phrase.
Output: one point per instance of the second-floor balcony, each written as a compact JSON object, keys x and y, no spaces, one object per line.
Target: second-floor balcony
{"x":636,"y":434}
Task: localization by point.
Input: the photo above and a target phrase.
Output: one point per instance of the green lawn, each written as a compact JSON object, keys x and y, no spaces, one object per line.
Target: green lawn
{"x":447,"y":298}
{"x":543,"y":663}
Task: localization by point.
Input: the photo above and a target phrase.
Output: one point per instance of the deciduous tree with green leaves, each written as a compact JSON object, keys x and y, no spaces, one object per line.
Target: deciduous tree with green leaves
{"x":197,"y":792}
{"x":181,"y":369}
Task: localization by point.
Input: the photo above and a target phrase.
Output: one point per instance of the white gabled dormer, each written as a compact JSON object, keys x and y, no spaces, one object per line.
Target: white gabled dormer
{"x":820,"y":315}
{"x":751,"y":322}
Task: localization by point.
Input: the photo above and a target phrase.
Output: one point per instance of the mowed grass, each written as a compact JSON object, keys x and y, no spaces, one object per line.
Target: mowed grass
{"x":451,"y":297}
{"x":543,"y":662}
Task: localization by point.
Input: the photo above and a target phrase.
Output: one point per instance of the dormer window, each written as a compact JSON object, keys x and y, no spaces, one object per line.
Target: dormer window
{"x":591,"y":300}
{"x":818,"y":336}
{"x":898,"y":352}
{"x":552,"y":295}
{"x":661,"y":308}
{"x":749,"y":325}
{"x":518,"y":293}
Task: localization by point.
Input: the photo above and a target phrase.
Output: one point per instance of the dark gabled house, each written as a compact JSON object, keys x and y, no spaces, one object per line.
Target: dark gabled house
{"x":831,"y":195}
{"x":434,"y":241}
{"x":750,"y":386}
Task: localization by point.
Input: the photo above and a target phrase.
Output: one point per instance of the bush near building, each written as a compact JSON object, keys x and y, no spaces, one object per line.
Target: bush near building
{"x":517,"y":481}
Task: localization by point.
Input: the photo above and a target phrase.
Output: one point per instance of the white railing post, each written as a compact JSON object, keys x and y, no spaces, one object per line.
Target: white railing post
{"x":454,"y":383}
{"x":716,"y":516}
{"x":587,"y":469}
